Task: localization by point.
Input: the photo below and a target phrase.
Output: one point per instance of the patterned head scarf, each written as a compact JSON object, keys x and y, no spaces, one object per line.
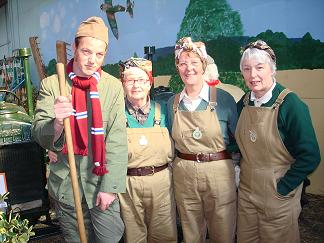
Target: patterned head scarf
{"x":186,"y":44}
{"x":142,"y":63}
{"x":261,"y":45}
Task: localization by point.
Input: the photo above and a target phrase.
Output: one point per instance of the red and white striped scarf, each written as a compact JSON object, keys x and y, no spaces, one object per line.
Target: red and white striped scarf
{"x":79,"y":121}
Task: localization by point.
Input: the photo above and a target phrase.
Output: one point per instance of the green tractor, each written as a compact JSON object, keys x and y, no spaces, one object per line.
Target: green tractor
{"x":22,"y":160}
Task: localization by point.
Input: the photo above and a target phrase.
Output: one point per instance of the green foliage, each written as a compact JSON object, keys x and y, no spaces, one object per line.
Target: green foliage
{"x":112,"y":69}
{"x":51,"y":68}
{"x":206,"y":20}
{"x":234,"y":78}
{"x":306,"y":53}
{"x":226,"y":53}
{"x":12,"y":228}
{"x":164,"y":65}
{"x":175,"y":83}
{"x":4,"y":196}
{"x":309,"y":53}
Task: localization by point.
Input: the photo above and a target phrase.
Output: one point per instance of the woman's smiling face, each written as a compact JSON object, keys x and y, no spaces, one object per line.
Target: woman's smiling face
{"x":257,"y":75}
{"x":190,"y":68}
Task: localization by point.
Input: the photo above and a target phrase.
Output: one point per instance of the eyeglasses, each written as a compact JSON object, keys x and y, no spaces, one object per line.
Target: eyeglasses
{"x":185,"y":65}
{"x":138,"y":81}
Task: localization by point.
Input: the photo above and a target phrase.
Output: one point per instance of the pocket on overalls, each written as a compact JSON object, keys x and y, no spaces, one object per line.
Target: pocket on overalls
{"x":277,"y":205}
{"x":277,"y":175}
{"x":278,"y":209}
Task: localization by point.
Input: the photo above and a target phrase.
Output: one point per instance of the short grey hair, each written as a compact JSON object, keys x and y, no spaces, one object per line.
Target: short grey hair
{"x":253,"y":51}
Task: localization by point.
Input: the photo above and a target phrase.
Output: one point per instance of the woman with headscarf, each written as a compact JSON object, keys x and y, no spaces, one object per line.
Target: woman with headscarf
{"x":279,"y":149}
{"x":201,"y":120}
{"x":148,"y":206}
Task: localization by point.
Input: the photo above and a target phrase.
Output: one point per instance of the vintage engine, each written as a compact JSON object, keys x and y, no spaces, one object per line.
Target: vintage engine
{"x":21,"y":159}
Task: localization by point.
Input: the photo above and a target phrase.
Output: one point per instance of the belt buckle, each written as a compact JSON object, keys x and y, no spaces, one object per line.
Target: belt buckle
{"x":197,"y":157}
{"x":152,"y":173}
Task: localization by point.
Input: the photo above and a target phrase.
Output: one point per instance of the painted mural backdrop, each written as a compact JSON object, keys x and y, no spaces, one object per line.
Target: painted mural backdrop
{"x":292,"y":27}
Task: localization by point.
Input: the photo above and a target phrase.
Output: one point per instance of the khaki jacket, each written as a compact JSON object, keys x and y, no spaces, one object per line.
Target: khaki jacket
{"x":113,"y":115}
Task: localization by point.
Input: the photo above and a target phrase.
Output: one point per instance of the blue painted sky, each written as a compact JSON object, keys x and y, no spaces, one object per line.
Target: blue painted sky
{"x":156,"y":22}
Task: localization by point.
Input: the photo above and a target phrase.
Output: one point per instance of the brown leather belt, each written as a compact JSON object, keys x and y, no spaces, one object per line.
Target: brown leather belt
{"x":146,"y":170}
{"x":205,"y":157}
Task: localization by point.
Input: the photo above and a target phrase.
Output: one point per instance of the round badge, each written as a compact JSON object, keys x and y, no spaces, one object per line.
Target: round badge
{"x":143,"y":140}
{"x":253,"y":135}
{"x":197,"y":134}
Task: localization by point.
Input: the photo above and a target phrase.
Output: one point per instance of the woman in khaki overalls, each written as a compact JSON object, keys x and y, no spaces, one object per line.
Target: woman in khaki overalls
{"x":203,"y":172}
{"x":279,"y":149}
{"x":148,"y":206}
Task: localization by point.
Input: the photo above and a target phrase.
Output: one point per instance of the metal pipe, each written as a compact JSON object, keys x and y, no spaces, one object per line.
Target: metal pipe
{"x":149,"y":51}
{"x":25,"y":53}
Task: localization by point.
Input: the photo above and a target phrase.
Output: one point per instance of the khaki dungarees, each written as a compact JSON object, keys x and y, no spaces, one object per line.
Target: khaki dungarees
{"x":148,"y":206}
{"x":264,"y":215}
{"x":205,"y":192}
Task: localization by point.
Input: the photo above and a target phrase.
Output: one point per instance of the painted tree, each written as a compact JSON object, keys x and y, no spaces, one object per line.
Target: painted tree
{"x":206,"y":20}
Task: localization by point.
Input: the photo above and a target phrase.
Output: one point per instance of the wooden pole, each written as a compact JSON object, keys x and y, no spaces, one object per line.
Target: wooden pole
{"x":69,"y":143}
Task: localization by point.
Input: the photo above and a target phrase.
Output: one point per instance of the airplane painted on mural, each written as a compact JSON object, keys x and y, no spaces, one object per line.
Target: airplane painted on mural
{"x":111,"y":9}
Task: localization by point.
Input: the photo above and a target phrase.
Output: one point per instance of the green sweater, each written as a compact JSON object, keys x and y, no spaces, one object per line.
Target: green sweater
{"x":298,"y":135}
{"x":133,"y":123}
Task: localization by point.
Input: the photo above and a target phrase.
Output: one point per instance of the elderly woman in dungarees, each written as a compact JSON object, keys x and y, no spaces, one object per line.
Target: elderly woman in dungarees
{"x":148,"y":206}
{"x":279,"y":149}
{"x":201,"y":119}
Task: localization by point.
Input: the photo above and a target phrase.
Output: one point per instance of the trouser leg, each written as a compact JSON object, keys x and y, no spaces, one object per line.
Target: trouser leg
{"x":217,"y":186}
{"x":68,"y":222}
{"x":280,"y":224}
{"x":189,"y":202}
{"x":160,"y":208}
{"x":133,"y":212}
{"x":107,"y":225}
{"x":247,"y":220}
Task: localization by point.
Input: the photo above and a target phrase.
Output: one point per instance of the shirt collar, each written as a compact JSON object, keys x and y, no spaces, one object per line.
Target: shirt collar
{"x":265,"y":98}
{"x":203,"y":95}
{"x":145,"y":109}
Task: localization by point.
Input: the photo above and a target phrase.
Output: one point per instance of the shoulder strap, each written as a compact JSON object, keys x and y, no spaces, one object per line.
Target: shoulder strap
{"x":212,"y":97}
{"x":157,"y":115}
{"x":176,"y":103}
{"x":246,"y":98}
{"x":281,"y":98}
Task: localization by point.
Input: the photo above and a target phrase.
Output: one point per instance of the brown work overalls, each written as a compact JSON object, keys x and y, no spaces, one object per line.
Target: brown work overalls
{"x":205,"y":192}
{"x":264,"y":216}
{"x":148,"y":206}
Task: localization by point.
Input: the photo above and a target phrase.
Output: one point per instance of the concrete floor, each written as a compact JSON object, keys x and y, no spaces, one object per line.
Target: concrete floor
{"x":311,"y":223}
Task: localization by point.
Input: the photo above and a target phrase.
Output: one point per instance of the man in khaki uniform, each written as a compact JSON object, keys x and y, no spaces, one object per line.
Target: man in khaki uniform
{"x":98,"y":133}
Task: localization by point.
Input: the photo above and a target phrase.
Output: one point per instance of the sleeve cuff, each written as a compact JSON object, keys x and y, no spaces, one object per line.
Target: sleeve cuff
{"x":282,"y":189}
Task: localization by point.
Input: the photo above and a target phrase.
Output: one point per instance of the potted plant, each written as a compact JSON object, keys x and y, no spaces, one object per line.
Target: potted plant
{"x":12,"y":228}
